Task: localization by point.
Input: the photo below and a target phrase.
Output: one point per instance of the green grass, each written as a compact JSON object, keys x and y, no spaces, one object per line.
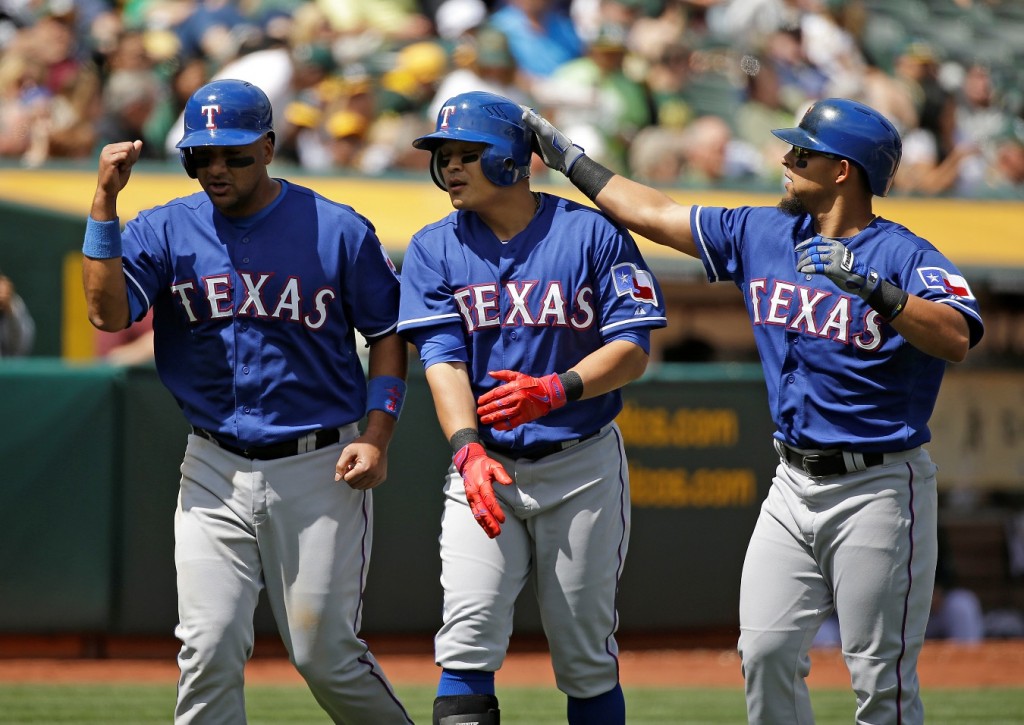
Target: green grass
{"x":271,"y":705}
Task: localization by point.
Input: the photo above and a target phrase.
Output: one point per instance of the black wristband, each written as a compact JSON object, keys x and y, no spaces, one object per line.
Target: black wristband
{"x":463,"y":436}
{"x":572,"y":383}
{"x":589,"y":176}
{"x":888,"y":300}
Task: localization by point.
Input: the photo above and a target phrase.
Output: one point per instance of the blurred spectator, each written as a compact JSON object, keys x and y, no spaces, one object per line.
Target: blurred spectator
{"x":596,"y":102}
{"x":411,"y":84}
{"x":540,"y":33}
{"x":800,"y":80}
{"x":17,"y":328}
{"x":485,"y":63}
{"x":979,"y":114}
{"x":747,"y":22}
{"x":1004,"y":177}
{"x":662,"y":25}
{"x":457,"y":18}
{"x":714,"y":157}
{"x":666,"y":82}
{"x":73,"y":75}
{"x":129,"y":99}
{"x":657,"y":156}
{"x":828,"y":35}
{"x":935,"y":161}
{"x":347,"y":131}
{"x":56,"y":94}
{"x":283,"y":55}
{"x":761,"y":111}
{"x":24,"y":104}
{"x":364,"y":27}
{"x":214,"y":29}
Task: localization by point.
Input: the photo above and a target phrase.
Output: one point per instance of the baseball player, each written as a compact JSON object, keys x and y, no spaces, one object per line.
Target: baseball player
{"x":17,"y":326}
{"x":529,"y":313}
{"x":855,"y":318}
{"x":257,"y":287}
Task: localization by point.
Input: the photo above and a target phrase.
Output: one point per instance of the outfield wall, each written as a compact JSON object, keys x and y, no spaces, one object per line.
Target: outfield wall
{"x":90,"y":473}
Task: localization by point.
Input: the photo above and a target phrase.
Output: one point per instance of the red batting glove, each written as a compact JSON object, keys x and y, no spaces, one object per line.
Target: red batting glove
{"x":521,"y":399}
{"x":478,"y":471}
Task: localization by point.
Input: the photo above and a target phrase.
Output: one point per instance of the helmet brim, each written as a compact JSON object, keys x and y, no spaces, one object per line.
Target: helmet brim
{"x":432,"y":140}
{"x":220,"y":137}
{"x":801,"y":139}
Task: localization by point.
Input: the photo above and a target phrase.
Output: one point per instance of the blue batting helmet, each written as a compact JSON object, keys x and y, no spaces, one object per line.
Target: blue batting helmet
{"x":484,"y":118}
{"x":224,"y":113}
{"x":854,"y":131}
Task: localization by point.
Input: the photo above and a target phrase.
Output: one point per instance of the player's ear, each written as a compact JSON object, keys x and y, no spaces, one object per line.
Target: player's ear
{"x":269,"y":147}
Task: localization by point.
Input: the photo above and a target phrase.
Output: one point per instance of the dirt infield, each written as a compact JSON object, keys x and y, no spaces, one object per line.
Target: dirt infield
{"x":941,"y":665}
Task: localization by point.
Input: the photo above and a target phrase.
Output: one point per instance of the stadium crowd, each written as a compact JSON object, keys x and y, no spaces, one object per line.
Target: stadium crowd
{"x":671,"y":92}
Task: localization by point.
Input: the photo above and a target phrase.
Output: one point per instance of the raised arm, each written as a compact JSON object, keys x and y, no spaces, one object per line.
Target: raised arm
{"x":641,"y":209}
{"x":103,"y":279}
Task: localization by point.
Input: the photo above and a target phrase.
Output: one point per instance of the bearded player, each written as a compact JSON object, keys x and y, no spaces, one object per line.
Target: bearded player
{"x":855,"y":318}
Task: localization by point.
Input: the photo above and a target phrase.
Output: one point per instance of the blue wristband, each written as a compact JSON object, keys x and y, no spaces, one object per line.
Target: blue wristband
{"x":387,"y":393}
{"x":102,"y":239}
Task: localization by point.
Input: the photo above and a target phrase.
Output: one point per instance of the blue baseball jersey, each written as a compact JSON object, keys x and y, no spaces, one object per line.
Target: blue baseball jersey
{"x":254,"y":319}
{"x":837,"y":375}
{"x":568,"y":284}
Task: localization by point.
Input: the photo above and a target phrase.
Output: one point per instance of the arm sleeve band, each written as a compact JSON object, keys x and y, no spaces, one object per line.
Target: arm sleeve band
{"x":572,"y":383}
{"x":102,"y":239}
{"x":589,"y":176}
{"x":462,"y":437}
{"x":387,"y":393}
{"x":888,"y":300}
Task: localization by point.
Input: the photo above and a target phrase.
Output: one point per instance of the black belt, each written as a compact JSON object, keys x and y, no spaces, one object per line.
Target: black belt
{"x":535,"y":453}
{"x":311,"y":442}
{"x":828,"y":463}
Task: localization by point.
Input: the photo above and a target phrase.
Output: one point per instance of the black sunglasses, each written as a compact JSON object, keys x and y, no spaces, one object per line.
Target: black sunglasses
{"x":801,"y":154}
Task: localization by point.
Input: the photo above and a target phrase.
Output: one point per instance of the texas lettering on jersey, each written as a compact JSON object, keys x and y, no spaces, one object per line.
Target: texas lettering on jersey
{"x":211,"y":298}
{"x":812,"y":312}
{"x":529,"y":304}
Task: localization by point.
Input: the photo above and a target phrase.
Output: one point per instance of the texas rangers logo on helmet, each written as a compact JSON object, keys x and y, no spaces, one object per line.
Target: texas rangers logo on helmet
{"x":939,"y":279}
{"x":446,"y":113}
{"x":637,"y":283}
{"x":210,"y":111}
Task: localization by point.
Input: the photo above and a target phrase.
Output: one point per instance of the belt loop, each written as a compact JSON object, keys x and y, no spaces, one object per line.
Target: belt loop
{"x":854,"y":461}
{"x":306,"y":443}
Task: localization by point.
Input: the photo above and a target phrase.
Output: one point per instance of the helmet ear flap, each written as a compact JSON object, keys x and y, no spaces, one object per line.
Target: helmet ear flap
{"x":435,"y":169}
{"x":188,"y":162}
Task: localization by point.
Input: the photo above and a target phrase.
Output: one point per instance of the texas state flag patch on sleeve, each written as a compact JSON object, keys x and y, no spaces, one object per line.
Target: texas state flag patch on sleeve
{"x":635,"y":282}
{"x":937,"y":278}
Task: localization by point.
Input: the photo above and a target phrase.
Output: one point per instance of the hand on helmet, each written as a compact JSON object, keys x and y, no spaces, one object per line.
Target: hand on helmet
{"x":832,"y":258}
{"x":553,"y":146}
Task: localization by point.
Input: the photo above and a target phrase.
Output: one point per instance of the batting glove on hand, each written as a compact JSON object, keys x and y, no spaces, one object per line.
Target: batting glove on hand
{"x":553,"y":146}
{"x":521,"y":399}
{"x":833,"y":259}
{"x":478,"y":471}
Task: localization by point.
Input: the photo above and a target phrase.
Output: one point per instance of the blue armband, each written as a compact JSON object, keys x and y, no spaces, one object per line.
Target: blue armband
{"x":102,"y":239}
{"x":387,"y":393}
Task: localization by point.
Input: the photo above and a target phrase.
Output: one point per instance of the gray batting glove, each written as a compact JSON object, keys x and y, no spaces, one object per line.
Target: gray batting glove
{"x":830,"y":257}
{"x":553,"y":146}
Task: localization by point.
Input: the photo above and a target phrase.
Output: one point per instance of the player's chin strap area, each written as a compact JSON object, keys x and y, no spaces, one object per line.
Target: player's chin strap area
{"x":835,"y":462}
